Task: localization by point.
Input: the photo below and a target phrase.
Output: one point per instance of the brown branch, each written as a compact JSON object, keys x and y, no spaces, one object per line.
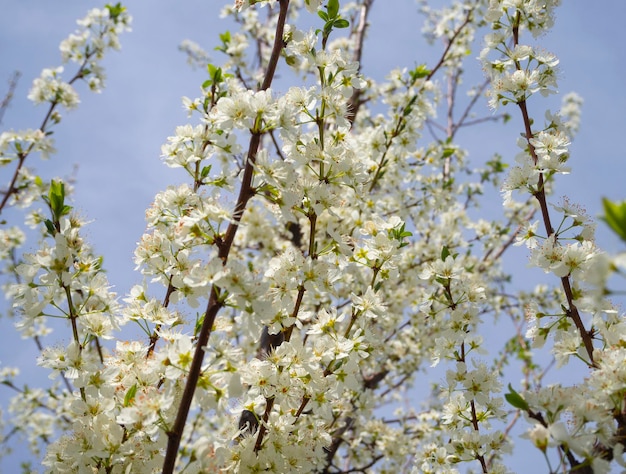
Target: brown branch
{"x":364,"y":468}
{"x":263,"y":426}
{"x":224,"y":247}
{"x":540,"y":195}
{"x":4,"y":105}
{"x":443,"y":58}
{"x":480,"y":458}
{"x":402,"y":118}
{"x":509,"y":241}
{"x":22,"y":156}
{"x":154,"y":337}
{"x":462,"y":121}
{"x":355,"y":102}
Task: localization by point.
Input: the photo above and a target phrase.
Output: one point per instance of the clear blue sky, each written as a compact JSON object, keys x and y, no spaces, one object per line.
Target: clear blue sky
{"x":115,"y":137}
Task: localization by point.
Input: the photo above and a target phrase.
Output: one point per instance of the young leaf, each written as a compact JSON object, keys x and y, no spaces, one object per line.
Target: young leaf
{"x":129,"y":398}
{"x":225,"y":37}
{"x":217,"y":77}
{"x":333,"y":9}
{"x":205,"y":171}
{"x":50,"y":227}
{"x":56,"y":200}
{"x":115,"y":10}
{"x":419,"y":72}
{"x":445,"y":252}
{"x":516,"y":399}
{"x":447,"y":152}
{"x":615,"y":216}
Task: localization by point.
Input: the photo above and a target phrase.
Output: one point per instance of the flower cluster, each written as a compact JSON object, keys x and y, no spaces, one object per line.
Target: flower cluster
{"x":521,"y":70}
{"x":577,"y":422}
{"x":99,"y":32}
{"x":50,"y":87}
{"x":322,"y":254}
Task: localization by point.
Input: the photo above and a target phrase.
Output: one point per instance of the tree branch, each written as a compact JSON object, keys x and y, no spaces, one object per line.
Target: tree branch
{"x":215,"y":301}
{"x":4,"y":105}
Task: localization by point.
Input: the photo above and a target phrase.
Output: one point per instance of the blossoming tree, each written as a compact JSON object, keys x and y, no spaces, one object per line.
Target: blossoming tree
{"x":319,"y":259}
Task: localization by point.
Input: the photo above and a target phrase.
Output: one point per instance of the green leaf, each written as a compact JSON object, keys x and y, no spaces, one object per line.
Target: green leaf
{"x":225,"y":37}
{"x":448,"y":152}
{"x":445,"y":252}
{"x":341,"y":23}
{"x":333,"y":9}
{"x":323,"y":15}
{"x":217,"y":77}
{"x":496,"y":165}
{"x":56,"y":200}
{"x":516,"y":399}
{"x":419,"y":72}
{"x":115,"y":10}
{"x":129,"y":398}
{"x":615,"y":216}
{"x":399,"y":233}
{"x":50,"y":227}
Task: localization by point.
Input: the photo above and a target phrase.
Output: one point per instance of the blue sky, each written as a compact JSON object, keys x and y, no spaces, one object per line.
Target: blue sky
{"x":114,"y":138}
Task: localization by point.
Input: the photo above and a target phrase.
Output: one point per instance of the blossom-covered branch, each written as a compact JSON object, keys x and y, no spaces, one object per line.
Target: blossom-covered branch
{"x":320,"y":255}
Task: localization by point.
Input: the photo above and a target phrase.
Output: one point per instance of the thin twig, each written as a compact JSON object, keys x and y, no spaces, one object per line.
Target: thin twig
{"x":540,"y":195}
{"x":23,"y":155}
{"x":4,"y":105}
{"x":355,"y":102}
